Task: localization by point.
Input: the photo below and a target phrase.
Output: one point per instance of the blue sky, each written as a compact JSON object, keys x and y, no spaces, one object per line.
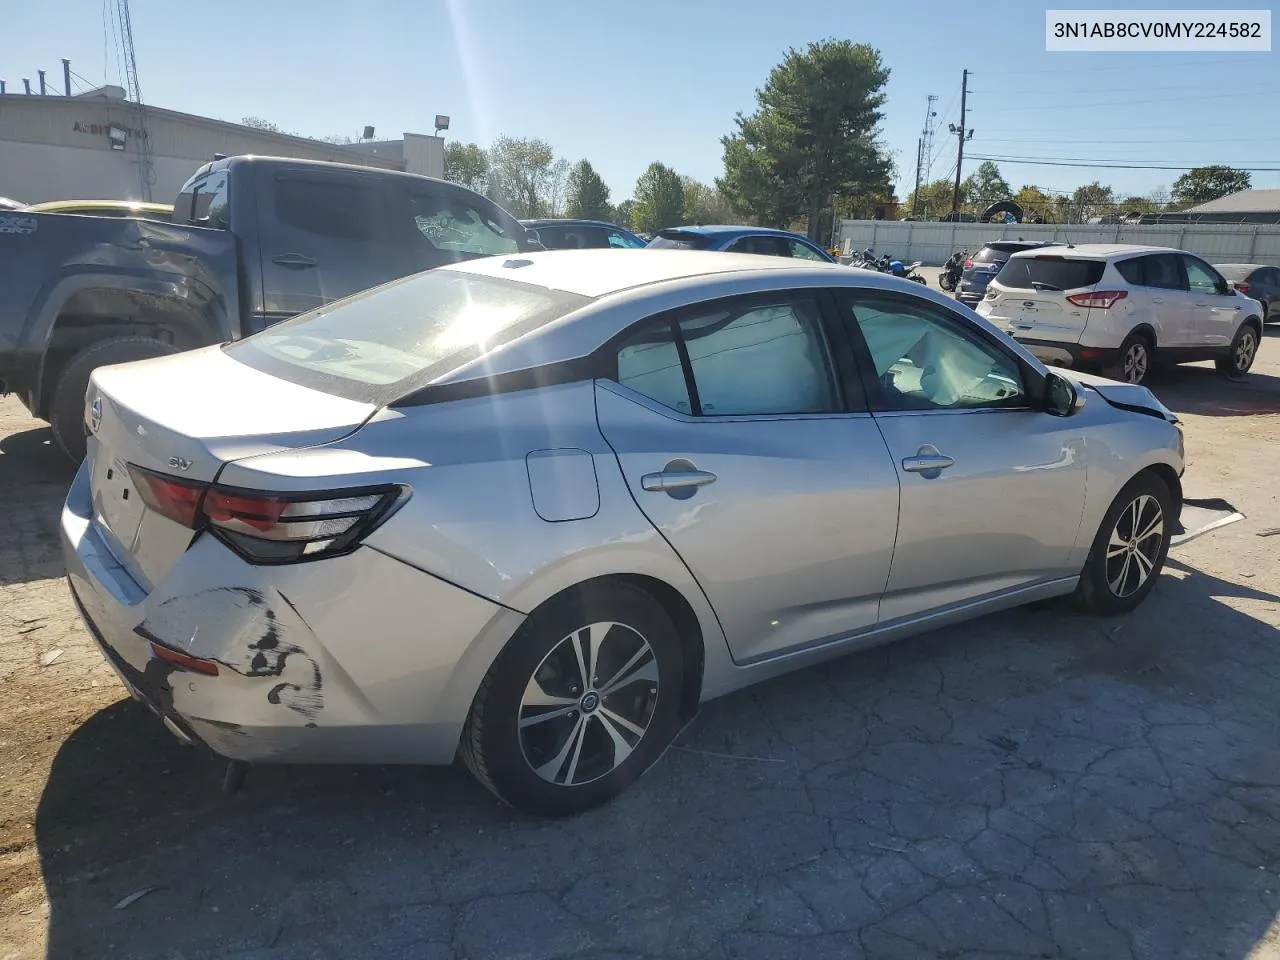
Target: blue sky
{"x":624,"y":84}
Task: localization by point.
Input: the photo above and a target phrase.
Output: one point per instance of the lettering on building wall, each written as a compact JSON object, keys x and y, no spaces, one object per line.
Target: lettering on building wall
{"x":102,"y":129}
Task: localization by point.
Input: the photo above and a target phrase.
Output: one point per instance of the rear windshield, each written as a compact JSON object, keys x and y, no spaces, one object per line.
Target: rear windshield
{"x":680,"y":240}
{"x":1050,"y":272}
{"x":387,"y":342}
{"x":1236,"y":272}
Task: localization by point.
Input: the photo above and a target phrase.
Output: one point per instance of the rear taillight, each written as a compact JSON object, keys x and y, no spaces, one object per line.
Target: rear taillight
{"x":968,"y":264}
{"x":168,"y":496}
{"x":1242,"y":287}
{"x":270,"y":527}
{"x":1098,"y":299}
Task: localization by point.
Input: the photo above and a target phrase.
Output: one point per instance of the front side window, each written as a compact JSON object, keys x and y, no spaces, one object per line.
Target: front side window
{"x":802,"y":251}
{"x":680,"y":240}
{"x":1200,"y":278}
{"x":382,"y":344}
{"x":926,"y":360}
{"x":622,"y":241}
{"x":759,"y":359}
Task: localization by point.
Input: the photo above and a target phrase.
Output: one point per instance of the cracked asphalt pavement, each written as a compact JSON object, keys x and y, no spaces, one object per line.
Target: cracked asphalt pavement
{"x":1034,"y":784}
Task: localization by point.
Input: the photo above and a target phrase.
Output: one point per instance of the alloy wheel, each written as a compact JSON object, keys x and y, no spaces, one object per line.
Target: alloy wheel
{"x":1134,"y":546}
{"x":1246,"y":349}
{"x":588,"y":704}
{"x":1135,"y":362}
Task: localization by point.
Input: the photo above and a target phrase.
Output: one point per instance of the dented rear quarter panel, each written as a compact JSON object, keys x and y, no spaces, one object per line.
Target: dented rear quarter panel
{"x":55,"y":257}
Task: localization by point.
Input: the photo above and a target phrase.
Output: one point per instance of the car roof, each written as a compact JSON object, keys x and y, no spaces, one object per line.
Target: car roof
{"x":597,"y":273}
{"x":570,"y":222}
{"x":625,"y":287}
{"x":721,"y":230}
{"x":54,"y":206}
{"x":1100,"y":251}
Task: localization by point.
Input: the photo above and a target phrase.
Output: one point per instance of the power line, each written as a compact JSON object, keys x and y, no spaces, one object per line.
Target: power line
{"x":1235,"y":95}
{"x":1074,"y":140}
{"x":1200,"y":64}
{"x":1066,"y":162}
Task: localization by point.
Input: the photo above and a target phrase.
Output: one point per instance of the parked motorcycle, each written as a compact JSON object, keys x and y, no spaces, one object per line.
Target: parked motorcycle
{"x":952,"y":269}
{"x":907,"y":271}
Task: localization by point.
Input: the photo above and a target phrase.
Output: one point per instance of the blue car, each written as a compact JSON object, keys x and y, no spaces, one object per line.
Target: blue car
{"x":773,"y":243}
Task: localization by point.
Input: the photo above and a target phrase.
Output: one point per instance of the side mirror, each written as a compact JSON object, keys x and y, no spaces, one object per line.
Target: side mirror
{"x":1061,"y":397}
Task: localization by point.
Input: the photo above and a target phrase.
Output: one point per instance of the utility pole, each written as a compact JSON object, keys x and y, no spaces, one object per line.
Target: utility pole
{"x":964,"y":134}
{"x":924,"y":150}
{"x":66,"y":76}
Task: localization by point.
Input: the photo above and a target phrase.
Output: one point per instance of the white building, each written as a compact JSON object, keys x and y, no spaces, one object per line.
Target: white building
{"x":99,"y":146}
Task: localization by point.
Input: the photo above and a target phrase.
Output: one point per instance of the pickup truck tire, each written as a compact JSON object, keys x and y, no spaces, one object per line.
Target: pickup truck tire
{"x":66,"y":413}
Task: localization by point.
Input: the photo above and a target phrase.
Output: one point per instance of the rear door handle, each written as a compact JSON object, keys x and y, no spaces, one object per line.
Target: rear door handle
{"x":295,"y":261}
{"x":1157,"y":299}
{"x":669,"y":480}
{"x":931,"y":462}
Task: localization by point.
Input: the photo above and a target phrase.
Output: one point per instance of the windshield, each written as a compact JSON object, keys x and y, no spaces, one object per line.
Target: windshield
{"x":1050,"y":272}
{"x":680,"y":240}
{"x":386,"y":342}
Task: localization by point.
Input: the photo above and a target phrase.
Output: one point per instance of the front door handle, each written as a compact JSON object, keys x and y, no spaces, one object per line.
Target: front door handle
{"x":928,"y":460}
{"x":669,"y":480}
{"x":295,"y":261}
{"x":1157,"y":299}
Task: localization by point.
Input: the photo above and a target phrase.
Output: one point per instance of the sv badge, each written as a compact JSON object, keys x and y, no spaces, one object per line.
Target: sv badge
{"x":179,"y":463}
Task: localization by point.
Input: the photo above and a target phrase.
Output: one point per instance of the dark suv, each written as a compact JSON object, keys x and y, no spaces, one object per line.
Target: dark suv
{"x":982,"y":267}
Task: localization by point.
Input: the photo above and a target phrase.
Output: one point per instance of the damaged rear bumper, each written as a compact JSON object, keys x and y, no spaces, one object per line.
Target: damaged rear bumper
{"x":355,"y":659}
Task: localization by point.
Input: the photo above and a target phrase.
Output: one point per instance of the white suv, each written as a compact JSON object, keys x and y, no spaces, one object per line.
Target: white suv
{"x":1120,"y":308}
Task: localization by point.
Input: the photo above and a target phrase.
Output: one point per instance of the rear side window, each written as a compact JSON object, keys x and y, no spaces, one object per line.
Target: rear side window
{"x":680,"y":240}
{"x":384,"y":343}
{"x":767,"y":246}
{"x":328,"y":208}
{"x":754,"y":360}
{"x":1160,"y":271}
{"x":1050,"y":272}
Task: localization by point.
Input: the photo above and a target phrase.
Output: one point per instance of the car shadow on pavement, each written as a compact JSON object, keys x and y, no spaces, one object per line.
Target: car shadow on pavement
{"x":1203,"y":391}
{"x":34,"y":476}
{"x":1037,"y":783}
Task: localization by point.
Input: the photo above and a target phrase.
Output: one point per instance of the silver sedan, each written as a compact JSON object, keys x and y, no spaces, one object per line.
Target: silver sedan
{"x":536,"y":510}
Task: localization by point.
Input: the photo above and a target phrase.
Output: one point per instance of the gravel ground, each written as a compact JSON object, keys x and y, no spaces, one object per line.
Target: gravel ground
{"x":1034,"y":784}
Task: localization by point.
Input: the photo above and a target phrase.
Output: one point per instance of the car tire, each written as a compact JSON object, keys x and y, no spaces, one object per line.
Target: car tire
{"x":1123,"y":564}
{"x":547,"y":741}
{"x":1241,"y":354}
{"x":1133,"y":363}
{"x":66,"y":414}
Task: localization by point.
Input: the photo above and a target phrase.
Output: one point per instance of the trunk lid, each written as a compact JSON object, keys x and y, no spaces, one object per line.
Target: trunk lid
{"x":1028,"y":298}
{"x":186,"y":416}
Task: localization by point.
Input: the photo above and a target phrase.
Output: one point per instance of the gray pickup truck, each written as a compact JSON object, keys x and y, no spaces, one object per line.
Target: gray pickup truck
{"x":253,"y":240}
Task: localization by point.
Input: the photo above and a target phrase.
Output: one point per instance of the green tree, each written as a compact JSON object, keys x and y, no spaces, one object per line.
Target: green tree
{"x":704,"y":204}
{"x":935,"y":200}
{"x":1136,"y":204}
{"x":522,"y":175}
{"x":623,"y":214}
{"x":588,"y":196}
{"x":814,"y":135}
{"x":265,"y":125}
{"x":1035,"y":204}
{"x":659,"y":199}
{"x":985,"y":186}
{"x":1085,"y":203}
{"x":467,"y":164}
{"x":1202,"y":184}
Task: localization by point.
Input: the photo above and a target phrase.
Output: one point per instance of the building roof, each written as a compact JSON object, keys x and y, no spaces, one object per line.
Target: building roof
{"x":1246,"y":201}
